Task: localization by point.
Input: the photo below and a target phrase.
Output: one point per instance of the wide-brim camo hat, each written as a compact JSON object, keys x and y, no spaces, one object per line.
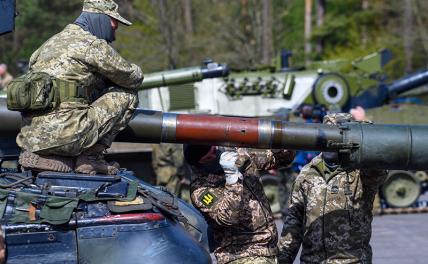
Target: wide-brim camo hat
{"x":107,"y":7}
{"x":337,"y":118}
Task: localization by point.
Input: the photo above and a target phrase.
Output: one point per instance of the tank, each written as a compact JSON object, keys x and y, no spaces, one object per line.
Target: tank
{"x":75,"y":218}
{"x":153,"y":225}
{"x":338,"y":84}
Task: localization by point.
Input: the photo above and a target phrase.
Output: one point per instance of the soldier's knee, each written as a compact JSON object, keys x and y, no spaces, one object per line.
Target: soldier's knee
{"x":124,"y":97}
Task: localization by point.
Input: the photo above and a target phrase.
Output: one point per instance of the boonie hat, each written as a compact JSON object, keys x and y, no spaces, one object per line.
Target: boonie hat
{"x":107,"y":7}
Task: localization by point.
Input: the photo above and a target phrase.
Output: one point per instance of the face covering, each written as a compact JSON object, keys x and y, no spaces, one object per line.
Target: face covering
{"x":331,"y":158}
{"x":97,"y":24}
{"x":212,"y":167}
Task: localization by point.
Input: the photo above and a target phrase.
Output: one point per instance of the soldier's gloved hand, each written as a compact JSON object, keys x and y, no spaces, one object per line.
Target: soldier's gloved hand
{"x":228,"y":163}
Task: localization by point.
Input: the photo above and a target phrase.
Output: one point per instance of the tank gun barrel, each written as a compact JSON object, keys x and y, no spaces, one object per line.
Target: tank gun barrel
{"x":359,"y":145}
{"x":185,"y":75}
{"x":378,"y":95}
{"x":407,"y":83}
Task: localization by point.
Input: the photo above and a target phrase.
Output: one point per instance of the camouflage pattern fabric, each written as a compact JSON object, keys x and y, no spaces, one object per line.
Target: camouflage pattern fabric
{"x":239,"y":213}
{"x":287,"y":178}
{"x":330,"y":215}
{"x":170,"y":168}
{"x":107,"y":7}
{"x":335,"y":118}
{"x":255,"y":260}
{"x":76,"y":55}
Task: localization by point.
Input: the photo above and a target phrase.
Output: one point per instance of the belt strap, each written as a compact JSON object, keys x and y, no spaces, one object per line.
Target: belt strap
{"x":69,"y":91}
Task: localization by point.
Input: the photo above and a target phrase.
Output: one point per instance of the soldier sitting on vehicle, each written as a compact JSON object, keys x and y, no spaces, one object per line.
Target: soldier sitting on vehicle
{"x":226,"y":188}
{"x":97,"y":95}
{"x":330,"y":211}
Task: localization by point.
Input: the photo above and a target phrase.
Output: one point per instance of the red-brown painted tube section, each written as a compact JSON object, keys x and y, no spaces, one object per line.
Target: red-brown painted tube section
{"x":214,"y":129}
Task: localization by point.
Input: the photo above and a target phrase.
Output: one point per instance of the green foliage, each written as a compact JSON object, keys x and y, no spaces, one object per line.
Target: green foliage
{"x":37,"y":21}
{"x":229,"y":31}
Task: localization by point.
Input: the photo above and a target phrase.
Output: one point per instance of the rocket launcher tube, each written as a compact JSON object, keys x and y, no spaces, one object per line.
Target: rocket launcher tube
{"x":359,"y":145}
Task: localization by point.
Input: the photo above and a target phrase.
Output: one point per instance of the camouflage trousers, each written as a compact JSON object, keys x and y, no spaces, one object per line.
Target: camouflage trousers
{"x":167,"y":176}
{"x":255,"y":260}
{"x":74,"y":127}
{"x":285,"y":188}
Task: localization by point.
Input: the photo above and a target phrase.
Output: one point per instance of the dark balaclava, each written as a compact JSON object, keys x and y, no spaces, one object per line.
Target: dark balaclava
{"x":331,"y":159}
{"x":97,"y":24}
{"x":193,"y":153}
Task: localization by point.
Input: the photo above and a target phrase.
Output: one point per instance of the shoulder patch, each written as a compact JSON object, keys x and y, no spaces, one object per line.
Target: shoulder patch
{"x":208,"y":198}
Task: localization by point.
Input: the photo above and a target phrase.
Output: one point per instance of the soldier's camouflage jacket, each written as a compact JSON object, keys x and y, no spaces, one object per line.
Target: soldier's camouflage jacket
{"x":76,"y":55}
{"x":239,"y":213}
{"x":330,"y":215}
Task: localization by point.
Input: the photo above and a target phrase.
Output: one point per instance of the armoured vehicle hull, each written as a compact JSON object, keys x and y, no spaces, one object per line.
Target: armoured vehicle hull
{"x":96,"y":233}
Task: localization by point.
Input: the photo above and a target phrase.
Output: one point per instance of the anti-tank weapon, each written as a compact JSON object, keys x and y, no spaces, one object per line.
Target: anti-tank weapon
{"x":360,"y":145}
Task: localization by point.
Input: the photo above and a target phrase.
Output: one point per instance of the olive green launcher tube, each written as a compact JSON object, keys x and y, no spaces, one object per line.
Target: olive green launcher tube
{"x":359,"y":145}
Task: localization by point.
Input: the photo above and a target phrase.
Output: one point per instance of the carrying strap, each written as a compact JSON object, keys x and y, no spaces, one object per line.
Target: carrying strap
{"x":165,"y":201}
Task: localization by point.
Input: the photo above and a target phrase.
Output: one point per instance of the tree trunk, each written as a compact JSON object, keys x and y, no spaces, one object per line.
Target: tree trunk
{"x":165,"y":27}
{"x":267,"y":42}
{"x":408,"y":35}
{"x":320,"y":21}
{"x":187,"y":13}
{"x":308,"y":30}
{"x":420,"y":27}
{"x":365,"y":6}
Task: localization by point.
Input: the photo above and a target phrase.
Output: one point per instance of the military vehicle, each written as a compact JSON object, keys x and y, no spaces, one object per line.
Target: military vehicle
{"x":76,"y":218}
{"x":73,"y":218}
{"x":335,"y":84}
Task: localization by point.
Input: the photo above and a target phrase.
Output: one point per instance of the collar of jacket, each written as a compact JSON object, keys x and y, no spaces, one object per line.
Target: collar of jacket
{"x":319,"y":165}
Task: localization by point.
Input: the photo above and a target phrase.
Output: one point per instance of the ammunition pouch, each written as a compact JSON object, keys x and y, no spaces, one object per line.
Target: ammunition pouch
{"x":37,"y":91}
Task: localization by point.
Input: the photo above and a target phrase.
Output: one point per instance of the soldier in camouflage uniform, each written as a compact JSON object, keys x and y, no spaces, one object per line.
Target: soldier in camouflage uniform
{"x":226,"y":188}
{"x":96,"y":105}
{"x":330,"y":211}
{"x":171,"y":169}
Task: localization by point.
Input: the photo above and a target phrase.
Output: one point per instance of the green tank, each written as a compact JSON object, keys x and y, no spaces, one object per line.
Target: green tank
{"x":265,"y":91}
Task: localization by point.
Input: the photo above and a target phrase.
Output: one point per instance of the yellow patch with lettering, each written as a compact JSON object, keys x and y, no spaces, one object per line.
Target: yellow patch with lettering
{"x":208,"y":198}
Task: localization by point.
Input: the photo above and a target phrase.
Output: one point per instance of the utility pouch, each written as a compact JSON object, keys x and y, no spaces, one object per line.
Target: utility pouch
{"x":32,"y":91}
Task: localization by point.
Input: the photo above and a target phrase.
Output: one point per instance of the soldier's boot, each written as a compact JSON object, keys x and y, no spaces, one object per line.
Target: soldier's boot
{"x":33,"y":161}
{"x":92,"y":161}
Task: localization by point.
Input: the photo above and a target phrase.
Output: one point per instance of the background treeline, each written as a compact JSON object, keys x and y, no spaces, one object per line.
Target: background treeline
{"x":244,"y":33}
